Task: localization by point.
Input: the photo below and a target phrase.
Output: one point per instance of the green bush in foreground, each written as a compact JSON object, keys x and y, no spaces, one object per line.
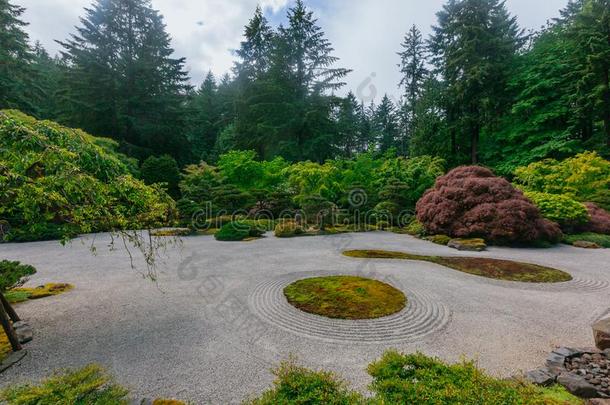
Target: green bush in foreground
{"x":88,"y":386}
{"x":409,"y":379}
{"x":13,"y":274}
{"x":237,"y":231}
{"x":601,"y":239}
{"x":298,"y":385}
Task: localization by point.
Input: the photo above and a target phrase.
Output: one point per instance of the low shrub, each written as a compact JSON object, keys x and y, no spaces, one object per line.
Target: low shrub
{"x":415,"y":228}
{"x":14,"y":274}
{"x":238,"y":231}
{"x":599,"y":220}
{"x":568,"y":213}
{"x":418,"y":379}
{"x":298,"y":385}
{"x":598,"y":238}
{"x":287,"y":229}
{"x":408,"y":379}
{"x":90,"y":385}
{"x":470,"y":202}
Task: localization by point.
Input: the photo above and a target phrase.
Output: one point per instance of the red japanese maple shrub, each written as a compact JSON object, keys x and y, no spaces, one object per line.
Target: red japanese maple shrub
{"x":600,"y":220}
{"x":470,"y":201}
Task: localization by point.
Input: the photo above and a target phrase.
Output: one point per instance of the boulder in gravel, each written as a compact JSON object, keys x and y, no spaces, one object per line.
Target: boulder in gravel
{"x":470,"y":245}
{"x":577,"y":385}
{"x":601,"y":333}
{"x":583,"y":244}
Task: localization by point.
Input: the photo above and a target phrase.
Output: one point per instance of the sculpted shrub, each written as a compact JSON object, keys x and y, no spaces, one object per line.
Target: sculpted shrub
{"x":471,"y":202}
{"x":560,"y":208}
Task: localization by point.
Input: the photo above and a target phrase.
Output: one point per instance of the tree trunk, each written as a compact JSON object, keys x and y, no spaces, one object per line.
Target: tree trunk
{"x":8,"y":329}
{"x":9,"y":309}
{"x":474,"y":145}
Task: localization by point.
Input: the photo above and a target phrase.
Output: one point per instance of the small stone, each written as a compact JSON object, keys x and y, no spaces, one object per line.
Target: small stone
{"x":567,"y":352}
{"x":555,"y":360}
{"x":577,"y":385}
{"x":471,"y":245}
{"x":601,"y":333}
{"x":542,"y":376}
{"x":586,"y":245}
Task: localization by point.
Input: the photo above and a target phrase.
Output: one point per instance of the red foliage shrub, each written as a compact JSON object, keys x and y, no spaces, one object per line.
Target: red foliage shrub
{"x":471,"y":202}
{"x":600,"y":220}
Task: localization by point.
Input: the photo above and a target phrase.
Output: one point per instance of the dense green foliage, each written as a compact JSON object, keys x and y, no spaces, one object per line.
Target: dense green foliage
{"x":474,"y":91}
{"x":162,"y":170}
{"x":559,"y":208}
{"x":56,"y":182}
{"x":90,"y":385}
{"x":408,"y":379}
{"x":13,"y":274}
{"x":584,"y":177}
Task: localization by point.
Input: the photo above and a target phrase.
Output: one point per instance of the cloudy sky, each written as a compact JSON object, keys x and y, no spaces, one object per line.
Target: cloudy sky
{"x":366,"y":34}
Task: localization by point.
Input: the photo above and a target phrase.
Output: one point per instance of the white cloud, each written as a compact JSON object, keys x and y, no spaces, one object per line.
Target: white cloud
{"x":366,"y":34}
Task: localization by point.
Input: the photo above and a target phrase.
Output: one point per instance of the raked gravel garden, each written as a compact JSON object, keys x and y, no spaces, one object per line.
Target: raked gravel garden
{"x":216,"y":320}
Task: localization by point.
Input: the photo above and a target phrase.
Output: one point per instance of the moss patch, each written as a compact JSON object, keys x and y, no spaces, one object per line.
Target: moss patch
{"x":176,"y":232}
{"x":491,"y":268}
{"x":5,"y":345}
{"x":439,"y":239}
{"x":345,"y":297}
{"x":17,"y":295}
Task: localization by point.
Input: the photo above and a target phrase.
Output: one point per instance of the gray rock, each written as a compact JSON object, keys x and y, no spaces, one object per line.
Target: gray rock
{"x":601,"y":333}
{"x":567,"y":352}
{"x":577,"y":385}
{"x":24,"y":332}
{"x":542,"y":376}
{"x":555,"y":360}
{"x":586,"y":245}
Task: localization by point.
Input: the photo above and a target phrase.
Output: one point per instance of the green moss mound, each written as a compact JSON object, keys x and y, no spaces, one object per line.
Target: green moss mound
{"x":288,"y":229}
{"x":439,"y":239}
{"x":345,"y":297}
{"x":57,"y":182}
{"x":238,"y":231}
{"x":479,"y":266}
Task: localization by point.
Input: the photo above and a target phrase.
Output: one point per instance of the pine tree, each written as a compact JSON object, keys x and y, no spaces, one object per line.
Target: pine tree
{"x":385,"y":125}
{"x":16,"y":58}
{"x":474,"y":45}
{"x":348,"y":125}
{"x":255,"y":49}
{"x":122,"y":80}
{"x":413,"y":69}
{"x":205,"y":119}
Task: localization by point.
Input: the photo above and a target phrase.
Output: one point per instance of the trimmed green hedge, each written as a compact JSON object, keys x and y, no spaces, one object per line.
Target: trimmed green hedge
{"x":238,"y":231}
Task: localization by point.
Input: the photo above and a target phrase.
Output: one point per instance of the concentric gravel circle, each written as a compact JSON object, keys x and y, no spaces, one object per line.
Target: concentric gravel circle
{"x":581,"y":285}
{"x":422,"y":316}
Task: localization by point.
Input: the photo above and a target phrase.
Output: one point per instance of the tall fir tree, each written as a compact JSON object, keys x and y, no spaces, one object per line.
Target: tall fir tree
{"x":17,"y":88}
{"x":414,"y":71}
{"x":385,"y":125}
{"x":122,"y":79}
{"x":474,"y":45}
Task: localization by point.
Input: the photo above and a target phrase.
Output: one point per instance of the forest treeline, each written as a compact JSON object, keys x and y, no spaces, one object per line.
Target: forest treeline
{"x":479,"y":89}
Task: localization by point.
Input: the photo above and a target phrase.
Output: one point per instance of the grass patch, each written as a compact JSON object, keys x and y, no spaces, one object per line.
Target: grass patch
{"x":599,"y":238}
{"x":171,"y":232}
{"x":17,"y":295}
{"x":491,"y":268}
{"x":90,"y":385}
{"x":345,"y":297}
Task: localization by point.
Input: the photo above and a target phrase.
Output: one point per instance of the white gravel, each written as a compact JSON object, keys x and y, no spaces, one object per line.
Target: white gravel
{"x":216,"y":322}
